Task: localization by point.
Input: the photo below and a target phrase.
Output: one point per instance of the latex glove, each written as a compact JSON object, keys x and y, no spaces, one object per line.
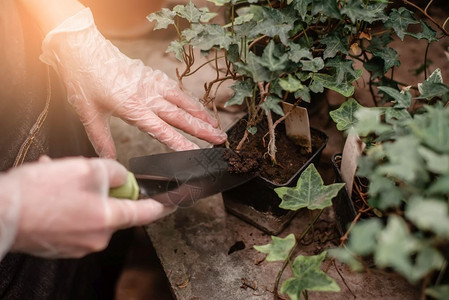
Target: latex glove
{"x":101,"y":81}
{"x":61,"y":208}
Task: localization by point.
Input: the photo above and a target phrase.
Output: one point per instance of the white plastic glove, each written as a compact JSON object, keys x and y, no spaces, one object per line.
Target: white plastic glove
{"x":101,"y":81}
{"x":61,"y":208}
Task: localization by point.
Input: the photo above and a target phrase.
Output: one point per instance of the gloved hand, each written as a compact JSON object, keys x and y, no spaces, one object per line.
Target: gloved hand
{"x":61,"y":208}
{"x":101,"y":81}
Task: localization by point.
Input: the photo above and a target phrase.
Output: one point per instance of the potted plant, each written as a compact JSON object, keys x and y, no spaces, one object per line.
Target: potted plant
{"x":275,"y":52}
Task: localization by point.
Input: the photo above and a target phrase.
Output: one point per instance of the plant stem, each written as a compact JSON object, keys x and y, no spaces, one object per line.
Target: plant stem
{"x":287,"y":260}
{"x":425,"y":60}
{"x":424,"y":12}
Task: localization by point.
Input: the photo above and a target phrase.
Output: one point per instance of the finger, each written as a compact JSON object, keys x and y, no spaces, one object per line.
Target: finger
{"x":44,"y":159}
{"x":189,"y":124}
{"x":148,"y":122}
{"x":99,"y":134}
{"x":117,"y":174}
{"x":190,"y":105}
{"x":129,"y":213}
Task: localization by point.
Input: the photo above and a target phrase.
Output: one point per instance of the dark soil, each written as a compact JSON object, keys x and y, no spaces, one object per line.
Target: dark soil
{"x":253,"y":155}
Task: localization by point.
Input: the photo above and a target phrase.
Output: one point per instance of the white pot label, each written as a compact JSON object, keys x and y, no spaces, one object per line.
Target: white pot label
{"x":297,"y":125}
{"x":351,"y":152}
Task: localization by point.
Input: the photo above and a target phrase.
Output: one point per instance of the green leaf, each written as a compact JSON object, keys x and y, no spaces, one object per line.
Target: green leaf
{"x":362,"y":240}
{"x":434,"y":129}
{"x":279,"y":249}
{"x":303,"y":94}
{"x":404,"y":162}
{"x":272,"y":103}
{"x":298,"y":52}
{"x":436,"y":163}
{"x":307,"y":275}
{"x":242,"y":90}
{"x":209,"y":36}
{"x":273,"y":58}
{"x":309,"y":192}
{"x":344,"y":70}
{"x":395,"y":246}
{"x":327,"y":8}
{"x":403,"y":99}
{"x":347,"y":257}
{"x":177,"y":48}
{"x":383,"y":191}
{"x":399,"y":20}
{"x":189,"y":12}
{"x":389,"y":56}
{"x":163,"y":18}
{"x":440,"y":292}
{"x":313,"y":65}
{"x":344,"y":115}
{"x":290,"y":84}
{"x":433,"y":86}
{"x":275,"y":23}
{"x":254,"y":68}
{"x":368,"y":121}
{"x":356,"y":10}
{"x":334,"y":45}
{"x":427,"y":33}
{"x":427,"y":259}
{"x":439,"y":186}
{"x":330,"y":82}
{"x":429,"y":215}
{"x":301,"y":7}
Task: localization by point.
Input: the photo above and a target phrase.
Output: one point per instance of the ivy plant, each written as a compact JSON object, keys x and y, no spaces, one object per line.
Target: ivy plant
{"x":406,"y":162}
{"x":289,"y":50}
{"x":310,"y":193}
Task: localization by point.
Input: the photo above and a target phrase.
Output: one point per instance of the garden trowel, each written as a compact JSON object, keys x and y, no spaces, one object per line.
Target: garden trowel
{"x":180,"y":178}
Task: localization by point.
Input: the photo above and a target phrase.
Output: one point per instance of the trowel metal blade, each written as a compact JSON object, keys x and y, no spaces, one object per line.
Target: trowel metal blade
{"x":181,"y":178}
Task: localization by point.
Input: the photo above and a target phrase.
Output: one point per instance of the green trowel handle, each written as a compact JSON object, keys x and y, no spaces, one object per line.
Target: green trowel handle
{"x":130,"y":190}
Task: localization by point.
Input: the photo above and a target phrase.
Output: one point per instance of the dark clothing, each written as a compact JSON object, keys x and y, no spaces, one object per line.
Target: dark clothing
{"x":35,"y":119}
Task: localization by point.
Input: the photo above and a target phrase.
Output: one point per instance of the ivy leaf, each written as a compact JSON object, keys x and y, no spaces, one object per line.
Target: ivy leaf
{"x":384,"y":192}
{"x":427,"y":33}
{"x":404,"y":162}
{"x":274,"y":23}
{"x":303,"y":94}
{"x":242,"y":90}
{"x":389,"y":56}
{"x":208,"y":36}
{"x":344,"y":70}
{"x":313,"y":65}
{"x":439,"y":186}
{"x":357,"y":10}
{"x":436,"y":163}
{"x":399,"y":20}
{"x":301,"y":7}
{"x":344,"y":115}
{"x":334,"y":44}
{"x":163,"y":18}
{"x":272,"y":103}
{"x":290,"y":84}
{"x":245,"y":30}
{"x":433,"y":86}
{"x":177,"y":48}
{"x":254,"y":68}
{"x":440,"y":292}
{"x":307,"y":275}
{"x":189,"y":12}
{"x":368,"y":121}
{"x":326,"y":7}
{"x":279,"y":249}
{"x":395,"y":246}
{"x":363,"y":236}
{"x":273,"y":58}
{"x":427,"y":259}
{"x":403,"y":99}
{"x":375,"y":66}
{"x":429,"y":214}
{"x":433,"y":130}
{"x":298,"y":52}
{"x":309,"y":192}
{"x":328,"y":81}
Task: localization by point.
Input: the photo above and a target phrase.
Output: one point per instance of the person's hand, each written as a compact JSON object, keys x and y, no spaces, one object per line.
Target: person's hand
{"x":61,"y":208}
{"x":101,"y":81}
